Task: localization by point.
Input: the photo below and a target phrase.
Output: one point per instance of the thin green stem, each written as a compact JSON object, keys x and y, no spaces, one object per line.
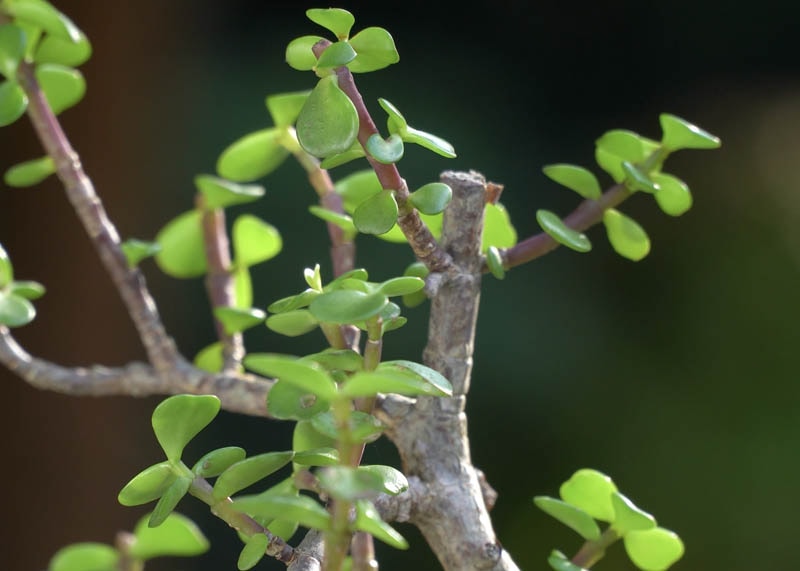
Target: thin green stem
{"x":593,"y":551}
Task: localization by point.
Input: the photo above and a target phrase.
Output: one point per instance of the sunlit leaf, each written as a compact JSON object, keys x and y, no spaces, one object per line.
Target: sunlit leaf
{"x":635,"y":179}
{"x":305,"y":375}
{"x":328,"y":121}
{"x":628,"y":516}
{"x":292,"y":323}
{"x":431,"y":198}
{"x":561,"y":233}
{"x":182,"y":252}
{"x":673,"y":196}
{"x":404,"y":285}
{"x":293,"y":301}
{"x":234,"y":319}
{"x":575,"y":178}
{"x":254,"y":241}
{"x":137,"y":250}
{"x":680,"y":134}
{"x":338,"y":359}
{"x":253,"y":156}
{"x":571,"y":516}
{"x":370,"y":383}
{"x":498,"y":230}
{"x":179,"y":418}
{"x":283,"y":507}
{"x":253,"y":551}
{"x":393,"y":481}
{"x":627,"y":237}
{"x":52,"y":49}
{"x":363,"y":427}
{"x":6,"y":268}
{"x":288,"y":401}
{"x":63,"y":86}
{"x":210,"y":358}
{"x":375,"y":48}
{"x":13,"y":102}
{"x":430,"y":142}
{"x":590,"y":491}
{"x":169,"y":500}
{"x":87,"y":556}
{"x":430,"y":376}
{"x":299,"y":54}
{"x":249,"y":471}
{"x":243,"y":287}
{"x":347,"y":306}
{"x":217,"y":461}
{"x":313,"y":278}
{"x":336,"y":20}
{"x":654,"y":549}
{"x":45,"y":16}
{"x":285,"y":107}
{"x":221,"y":193}
{"x":357,"y":187}
{"x":148,"y":485}
{"x":176,"y":536}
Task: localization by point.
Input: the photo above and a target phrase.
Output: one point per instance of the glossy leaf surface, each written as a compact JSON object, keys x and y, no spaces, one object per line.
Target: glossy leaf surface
{"x":336,"y":20}
{"x":63,"y":86}
{"x":249,"y":471}
{"x":290,"y":402}
{"x":6,"y":268}
{"x":654,"y":549}
{"x":368,"y":519}
{"x":377,"y":214}
{"x":13,"y":102}
{"x":571,"y":516}
{"x":401,"y":286}
{"x":217,"y":461}
{"x":306,"y":376}
{"x":629,"y":517}
{"x":255,"y":241}
{"x":221,"y":193}
{"x":431,"y":198}
{"x":176,"y":536}
{"x":147,"y":485}
{"x":180,"y":418}
{"x":253,"y":156}
{"x":52,"y":49}
{"x":429,"y":141}
{"x":495,"y":262}
{"x":370,"y":383}
{"x":680,"y":134}
{"x":673,"y":196}
{"x":299,"y":54}
{"x":86,"y":556}
{"x":235,"y":320}
{"x":635,"y":179}
{"x":575,"y":178}
{"x":347,"y":306}
{"x":15,"y":310}
{"x":590,"y":491}
{"x":301,"y":509}
{"x":628,"y":239}
{"x":431,"y":376}
{"x":182,"y":253}
{"x":328,"y":121}
{"x":337,"y":54}
{"x":386,"y":151}
{"x":375,"y":48}
{"x":44,"y":15}
{"x":169,"y":500}
{"x":561,"y":233}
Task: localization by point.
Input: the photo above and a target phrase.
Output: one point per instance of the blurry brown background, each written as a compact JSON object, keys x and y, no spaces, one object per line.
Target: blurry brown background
{"x":676,"y":375}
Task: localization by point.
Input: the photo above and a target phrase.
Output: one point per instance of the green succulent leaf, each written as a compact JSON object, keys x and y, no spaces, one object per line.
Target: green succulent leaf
{"x":673,"y":196}
{"x":235,"y":320}
{"x":396,"y":122}
{"x":430,"y":142}
{"x":86,"y":556}
{"x":253,"y":156}
{"x":30,"y":172}
{"x":328,"y":122}
{"x":431,"y":198}
{"x":349,"y":484}
{"x":249,"y":471}
{"x":629,"y":517}
{"x":357,"y":187}
{"x":377,"y":214}
{"x":299,"y":54}
{"x":13,"y":102}
{"x":307,"y":376}
{"x":620,"y":145}
{"x":357,"y":274}
{"x":290,"y":402}
{"x":27,"y":289}
{"x":338,"y":360}
{"x":341,"y":220}
{"x":15,"y":310}
{"x":370,"y":383}
{"x":347,"y":306}
{"x":285,"y":107}
{"x":575,"y":178}
{"x":680,"y":134}
{"x":12,"y":49}
{"x":6,"y":269}
{"x":254,"y":241}
{"x":495,"y":262}
{"x":148,"y":485}
{"x":221,"y":193}
{"x":627,"y":238}
{"x":653,"y":549}
{"x":336,"y":20}
{"x":336,"y":55}
{"x":137,"y":250}
{"x":217,"y":461}
{"x":393,"y":481}
{"x":559,"y":562}
{"x":317,"y":457}
{"x":52,"y":49}
{"x":404,"y":285}
{"x":301,"y":509}
{"x":293,"y":323}
{"x":243,"y":287}
{"x":385,"y":151}
{"x":176,"y":536}
{"x":356,"y":151}
{"x":363,"y":427}
{"x":498,"y":230}
{"x":293,"y":301}
{"x":635,"y":179}
{"x":210,"y":358}
{"x":431,"y":376}
{"x":182,"y":252}
{"x":306,"y":437}
{"x":254,"y":549}
{"x":561,"y":233}
{"x":375,"y":48}
{"x":43,"y":15}
{"x":179,"y":418}
{"x":63,"y":86}
{"x":419,"y":270}
{"x":368,"y":519}
{"x":169,"y":500}
{"x":590,"y":491}
{"x":571,"y":516}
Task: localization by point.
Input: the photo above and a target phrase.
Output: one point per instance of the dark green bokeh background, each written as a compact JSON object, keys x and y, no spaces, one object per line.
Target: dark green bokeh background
{"x":676,"y":375}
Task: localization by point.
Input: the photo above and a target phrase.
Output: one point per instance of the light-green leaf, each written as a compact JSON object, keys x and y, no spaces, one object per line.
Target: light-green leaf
{"x":370,"y":383}
{"x":393,"y":481}
{"x":590,"y":491}
{"x":571,"y":516}
{"x":341,"y":220}
{"x":385,"y":151}
{"x":6,"y":268}
{"x":368,"y":519}
{"x":680,"y":134}
{"x":559,"y":562}
{"x":627,"y":238}
{"x":137,"y":250}
{"x":654,"y":549}
{"x":430,"y":142}
{"x":377,"y":214}
{"x":317,"y":457}
{"x":375,"y":48}
{"x":299,"y":54}
{"x":336,"y":20}
{"x":561,"y":233}
{"x":221,"y":193}
{"x":86,"y":556}
{"x":176,"y":536}
{"x":328,"y":122}
{"x":636,"y":179}
{"x":147,"y":485}
{"x":349,"y":484}
{"x":293,"y":301}
{"x":12,"y":49}
{"x":179,"y":418}
{"x":673,"y":196}
{"x":254,"y":241}
{"x":292,"y":323}
{"x":210,"y":358}
{"x":52,"y":49}
{"x":307,"y":376}
{"x":424,"y":372}
{"x":28,"y":289}
{"x":363,"y":427}
{"x":235,"y":320}
{"x":253,"y":156}
{"x":249,"y":471}
{"x":628,"y":516}
{"x":285,"y":508}
{"x":337,"y":54}
{"x":15,"y":310}
{"x":495,"y":262}
{"x":497,"y":227}
{"x":285,"y":107}
{"x":182,"y":252}
{"x":290,"y":402}
{"x":30,"y":172}
{"x":169,"y":500}
{"x":44,"y":15}
{"x":63,"y":86}
{"x":575,"y":178}
{"x":431,"y":198}
{"x":13,"y":102}
{"x":217,"y":461}
{"x":347,"y":306}
{"x":254,"y":549}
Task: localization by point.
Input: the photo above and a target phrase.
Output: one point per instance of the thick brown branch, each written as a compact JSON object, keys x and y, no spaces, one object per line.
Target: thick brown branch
{"x":587,"y":214}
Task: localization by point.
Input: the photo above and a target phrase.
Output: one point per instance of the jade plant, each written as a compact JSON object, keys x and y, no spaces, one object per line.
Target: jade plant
{"x":323,"y":507}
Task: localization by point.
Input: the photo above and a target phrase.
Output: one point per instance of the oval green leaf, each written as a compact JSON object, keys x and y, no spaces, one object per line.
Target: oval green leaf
{"x":356,"y":151}
{"x":243,"y":287}
{"x":63,"y":86}
{"x":169,"y":500}
{"x":363,"y":427}
{"x":301,"y":509}
{"x":627,"y":238}
{"x":336,"y":55}
{"x":249,"y":471}
{"x":293,"y":301}
{"x":179,"y":418}
{"x":305,"y":375}
{"x":336,"y":20}
{"x":210,"y":358}
{"x":635,"y":179}
{"x":430,"y":142}
{"x":328,"y":122}
{"x":182,"y":252}
{"x":370,"y":383}
{"x":176,"y":536}
{"x":12,"y":49}
{"x":254,"y":549}
{"x":431,"y":198}
{"x":654,"y":549}
{"x":377,"y":214}
{"x":299,"y":54}
{"x":629,"y":517}
{"x":217,"y":461}
{"x":673,"y":196}
{"x":235,"y":320}
{"x":393,"y":481}
{"x":338,"y":360}
{"x":6,"y":269}
{"x":348,"y":483}
{"x":290,"y":402}
{"x":52,"y":49}
{"x":559,"y":562}
{"x":317,"y":457}
{"x":680,"y":134}
{"x":253,"y":156}
{"x":571,"y":516}
{"x":561,"y":233}
{"x":375,"y":48}
{"x":137,"y":250}
{"x":341,"y":220}
{"x":86,"y":556}
{"x":13,"y":102}
{"x":347,"y":306}
{"x":292,"y":323}
{"x":497,"y":227}
{"x":575,"y":178}
{"x":285,"y":107}
{"x":306,"y":437}
{"x":28,"y":289}
{"x":357,"y":187}
{"x":368,"y":519}
{"x":495,"y":262}
{"x":147,"y":485}
{"x":254,"y":241}
{"x":385,"y":151}
{"x":221,"y":193}
{"x":44,"y":15}
{"x":404,"y":285}
{"x":15,"y":310}
{"x":431,"y":376}
{"x":590,"y":491}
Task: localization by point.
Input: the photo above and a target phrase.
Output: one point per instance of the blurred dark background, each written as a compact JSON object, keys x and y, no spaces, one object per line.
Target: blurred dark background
{"x":676,"y":375}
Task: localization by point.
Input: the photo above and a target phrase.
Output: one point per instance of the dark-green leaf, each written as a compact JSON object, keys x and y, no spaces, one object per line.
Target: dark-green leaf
{"x":179,"y":418}
{"x":377,"y":214}
{"x":561,"y":233}
{"x":328,"y":121}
